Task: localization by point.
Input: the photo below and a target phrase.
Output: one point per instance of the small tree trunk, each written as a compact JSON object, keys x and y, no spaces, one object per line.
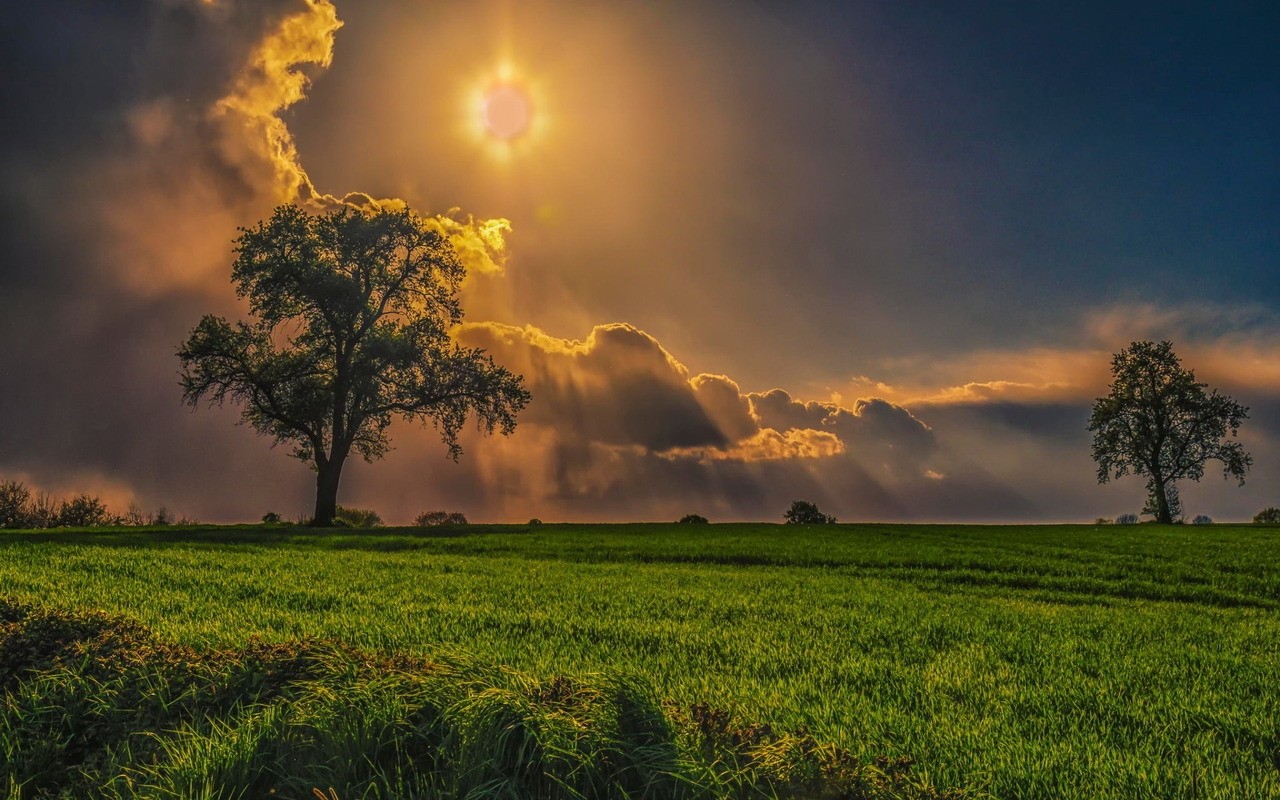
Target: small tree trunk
{"x":327,"y":477}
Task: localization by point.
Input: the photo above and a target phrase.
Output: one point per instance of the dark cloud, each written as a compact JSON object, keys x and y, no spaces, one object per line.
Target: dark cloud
{"x":118,"y":208}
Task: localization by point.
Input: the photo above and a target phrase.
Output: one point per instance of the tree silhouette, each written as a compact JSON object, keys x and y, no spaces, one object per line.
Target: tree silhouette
{"x":802,"y":512}
{"x":353,"y":317}
{"x":1159,"y":422}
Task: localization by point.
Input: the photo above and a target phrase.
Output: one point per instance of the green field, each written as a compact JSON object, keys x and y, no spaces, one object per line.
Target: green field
{"x":1023,"y":661}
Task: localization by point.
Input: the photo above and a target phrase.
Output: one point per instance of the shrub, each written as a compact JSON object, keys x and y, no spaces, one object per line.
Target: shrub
{"x":83,"y":511}
{"x":429,"y":519}
{"x":1127,"y":519}
{"x":1267,"y":516}
{"x":534,"y":522}
{"x":356,"y":518}
{"x":14,"y":497}
{"x":1202,"y":519}
{"x":802,"y":512}
{"x":1103,"y":521}
{"x":692,"y":519}
{"x":271,"y":518}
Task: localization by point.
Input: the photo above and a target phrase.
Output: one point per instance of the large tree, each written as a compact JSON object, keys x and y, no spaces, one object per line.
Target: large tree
{"x":353,"y":316}
{"x":1159,"y":422}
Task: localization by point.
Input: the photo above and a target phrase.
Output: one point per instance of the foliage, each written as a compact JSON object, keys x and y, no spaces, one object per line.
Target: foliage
{"x":353,"y":313}
{"x":100,"y":706}
{"x":271,"y":518}
{"x":802,"y":512}
{"x":14,"y":500}
{"x":431,"y":518}
{"x":1103,"y":521}
{"x":1202,"y":519}
{"x":1127,"y":519}
{"x":357,"y":518}
{"x":693,"y":519}
{"x":1267,"y":516}
{"x":534,"y":522}
{"x":83,"y":511}
{"x":1158,"y":422}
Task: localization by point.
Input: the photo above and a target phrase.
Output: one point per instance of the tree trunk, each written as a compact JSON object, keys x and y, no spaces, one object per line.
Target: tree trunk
{"x":1163,"y":514}
{"x":327,"y":477}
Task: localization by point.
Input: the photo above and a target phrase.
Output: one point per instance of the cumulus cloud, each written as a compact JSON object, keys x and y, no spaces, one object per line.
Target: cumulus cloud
{"x":619,"y":427}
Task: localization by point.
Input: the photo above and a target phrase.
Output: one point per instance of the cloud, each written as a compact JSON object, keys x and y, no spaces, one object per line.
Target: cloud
{"x":619,"y":427}
{"x":254,"y":136}
{"x":619,"y":386}
{"x":1227,"y":347}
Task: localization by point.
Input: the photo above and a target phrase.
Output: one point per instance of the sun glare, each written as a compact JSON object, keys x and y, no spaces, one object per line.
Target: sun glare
{"x":505,"y":112}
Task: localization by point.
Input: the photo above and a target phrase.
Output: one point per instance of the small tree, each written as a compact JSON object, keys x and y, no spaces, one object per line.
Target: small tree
{"x":1267,"y":516}
{"x":1159,"y":422}
{"x":693,"y":519}
{"x":802,"y":512}
{"x":82,"y":511}
{"x":353,"y":315}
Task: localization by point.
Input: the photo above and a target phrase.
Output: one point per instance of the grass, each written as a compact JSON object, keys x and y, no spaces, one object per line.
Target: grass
{"x":1027,"y":662}
{"x":97,"y":706}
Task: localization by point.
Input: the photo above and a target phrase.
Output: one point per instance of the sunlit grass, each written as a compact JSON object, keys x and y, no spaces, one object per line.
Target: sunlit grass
{"x":1045,"y":662}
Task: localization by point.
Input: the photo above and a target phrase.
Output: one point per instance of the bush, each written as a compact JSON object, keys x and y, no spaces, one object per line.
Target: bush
{"x":356,"y":518}
{"x":692,"y":519}
{"x":1103,"y":521}
{"x":83,"y":511}
{"x":428,"y":519}
{"x":14,"y":497}
{"x":1127,"y":519}
{"x":534,"y":522}
{"x":271,"y":518}
{"x":802,"y":512}
{"x":1267,"y":516}
{"x":1202,"y":519}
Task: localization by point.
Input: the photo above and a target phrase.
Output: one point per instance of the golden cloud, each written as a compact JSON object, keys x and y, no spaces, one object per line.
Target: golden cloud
{"x":767,"y":444}
{"x":271,"y":82}
{"x":1224,"y":347}
{"x":258,"y":141}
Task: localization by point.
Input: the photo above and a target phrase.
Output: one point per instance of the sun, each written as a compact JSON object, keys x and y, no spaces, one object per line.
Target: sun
{"x":506,"y":114}
{"x":507,"y":111}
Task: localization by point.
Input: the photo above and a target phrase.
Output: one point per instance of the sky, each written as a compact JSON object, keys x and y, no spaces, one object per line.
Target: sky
{"x":872,"y":255}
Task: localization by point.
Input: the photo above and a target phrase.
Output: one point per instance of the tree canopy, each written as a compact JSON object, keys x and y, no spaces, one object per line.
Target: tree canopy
{"x":353,"y":317}
{"x":802,"y":512}
{"x":1158,"y":421}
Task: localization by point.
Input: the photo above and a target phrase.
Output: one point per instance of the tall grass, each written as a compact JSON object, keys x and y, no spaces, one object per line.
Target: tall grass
{"x":96,"y":706}
{"x":1032,"y":662}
